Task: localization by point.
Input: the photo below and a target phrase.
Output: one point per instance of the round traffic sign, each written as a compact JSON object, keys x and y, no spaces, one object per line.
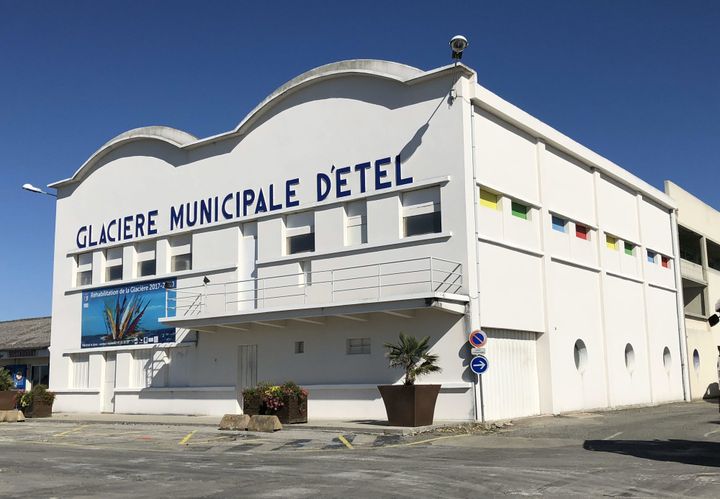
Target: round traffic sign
{"x":479,"y":364}
{"x":477,"y":338}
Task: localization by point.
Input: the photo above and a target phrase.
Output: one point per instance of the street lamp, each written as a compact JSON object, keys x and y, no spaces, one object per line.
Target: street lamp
{"x":32,"y":188}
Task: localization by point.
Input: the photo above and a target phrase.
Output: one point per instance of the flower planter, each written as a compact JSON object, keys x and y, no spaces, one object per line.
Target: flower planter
{"x":409,"y":405}
{"x":38,"y":409}
{"x":8,"y":400}
{"x":294,"y":409}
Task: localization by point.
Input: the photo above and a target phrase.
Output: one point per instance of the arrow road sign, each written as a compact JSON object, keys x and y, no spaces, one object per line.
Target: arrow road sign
{"x":477,"y":338}
{"x":479,"y":364}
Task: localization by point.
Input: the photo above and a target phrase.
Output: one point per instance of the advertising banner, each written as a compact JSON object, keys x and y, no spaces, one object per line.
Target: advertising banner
{"x":127,"y":315}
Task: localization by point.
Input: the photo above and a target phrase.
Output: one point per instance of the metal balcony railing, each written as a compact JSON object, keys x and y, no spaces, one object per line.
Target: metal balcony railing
{"x":361,"y":283}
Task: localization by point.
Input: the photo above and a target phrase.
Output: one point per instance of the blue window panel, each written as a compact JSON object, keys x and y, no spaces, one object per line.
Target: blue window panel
{"x":558,"y":224}
{"x":651,"y":256}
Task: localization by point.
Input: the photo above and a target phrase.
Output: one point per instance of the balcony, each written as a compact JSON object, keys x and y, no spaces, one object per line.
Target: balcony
{"x":349,"y":292}
{"x":692,"y":271}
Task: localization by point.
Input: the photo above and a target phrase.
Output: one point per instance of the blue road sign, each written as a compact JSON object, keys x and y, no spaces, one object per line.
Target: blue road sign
{"x":479,"y":364}
{"x":477,"y":338}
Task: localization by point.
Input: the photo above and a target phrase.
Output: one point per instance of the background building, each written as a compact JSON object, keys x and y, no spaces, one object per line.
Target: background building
{"x":359,"y":200}
{"x":24,"y":349}
{"x":699,"y":230}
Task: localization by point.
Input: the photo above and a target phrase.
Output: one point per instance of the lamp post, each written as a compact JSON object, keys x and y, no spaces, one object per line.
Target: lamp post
{"x":37,"y":190}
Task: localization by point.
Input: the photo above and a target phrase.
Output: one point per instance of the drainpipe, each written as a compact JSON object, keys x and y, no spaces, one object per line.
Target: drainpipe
{"x":682,"y":334}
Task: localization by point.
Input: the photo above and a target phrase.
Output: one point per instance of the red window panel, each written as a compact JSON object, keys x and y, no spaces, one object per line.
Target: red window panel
{"x":665,"y":261}
{"x":581,"y":231}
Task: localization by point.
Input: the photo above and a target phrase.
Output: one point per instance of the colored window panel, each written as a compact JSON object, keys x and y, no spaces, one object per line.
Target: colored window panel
{"x":611,"y":242}
{"x":559,"y":224}
{"x":665,"y":262}
{"x":651,"y":256}
{"x":629,"y":248}
{"x":582,"y":232}
{"x":488,"y":199}
{"x":520,"y":210}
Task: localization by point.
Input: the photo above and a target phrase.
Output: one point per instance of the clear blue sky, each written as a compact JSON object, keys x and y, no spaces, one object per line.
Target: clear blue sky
{"x":636,"y":80}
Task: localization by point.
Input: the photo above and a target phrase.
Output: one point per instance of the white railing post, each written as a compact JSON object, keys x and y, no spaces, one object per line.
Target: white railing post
{"x":332,"y":286}
{"x":225,"y":295}
{"x":432,"y":279}
{"x":379,"y":282}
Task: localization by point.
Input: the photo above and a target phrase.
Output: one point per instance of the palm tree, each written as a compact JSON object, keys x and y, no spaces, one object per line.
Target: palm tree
{"x":412,"y":355}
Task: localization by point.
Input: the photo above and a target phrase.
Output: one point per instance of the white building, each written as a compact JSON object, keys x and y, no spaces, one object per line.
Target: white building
{"x":699,"y":234}
{"x":359,"y":200}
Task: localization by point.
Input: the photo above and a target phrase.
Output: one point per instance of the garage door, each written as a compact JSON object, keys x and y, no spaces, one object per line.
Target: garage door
{"x":510,"y":385}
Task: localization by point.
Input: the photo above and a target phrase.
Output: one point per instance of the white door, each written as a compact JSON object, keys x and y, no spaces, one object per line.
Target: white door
{"x":246,"y":369}
{"x":510,"y":385}
{"x":108,"y":389}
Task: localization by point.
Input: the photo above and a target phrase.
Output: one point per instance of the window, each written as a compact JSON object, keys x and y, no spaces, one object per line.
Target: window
{"x":358,"y":346}
{"x":667,"y":359}
{"x":582,"y":232}
{"x":149,"y":368}
{"x":580,"y":355}
{"x":559,"y":224}
{"x":629,"y":248}
{"x":79,"y":372}
{"x":84,"y":269}
{"x":356,"y":223}
{"x":611,"y":242}
{"x":489,"y":199}
{"x":519,"y":210}
{"x":651,"y":256}
{"x":181,"y":253}
{"x":629,"y":358}
{"x":299,"y":347}
{"x":300,"y":232}
{"x":421,"y":212}
{"x":696,"y":360}
{"x":665,"y":261}
{"x":146,"y":259}
{"x":113,"y":264}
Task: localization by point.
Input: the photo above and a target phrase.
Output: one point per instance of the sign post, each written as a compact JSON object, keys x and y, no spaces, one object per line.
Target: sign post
{"x":479,"y":363}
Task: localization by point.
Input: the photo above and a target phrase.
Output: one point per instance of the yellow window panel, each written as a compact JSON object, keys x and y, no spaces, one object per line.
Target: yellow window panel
{"x":612,"y":242}
{"x":488,"y":199}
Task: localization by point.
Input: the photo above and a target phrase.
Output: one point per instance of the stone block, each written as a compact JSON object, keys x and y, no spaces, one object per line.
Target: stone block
{"x":266,"y":424}
{"x":11,"y":416}
{"x":237,"y":422}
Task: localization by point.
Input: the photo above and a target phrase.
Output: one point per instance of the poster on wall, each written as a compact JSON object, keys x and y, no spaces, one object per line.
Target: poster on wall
{"x":19,"y":375}
{"x":127,"y":315}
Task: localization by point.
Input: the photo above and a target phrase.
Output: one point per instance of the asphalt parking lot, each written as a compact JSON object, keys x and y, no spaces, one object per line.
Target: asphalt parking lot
{"x":666,"y":451}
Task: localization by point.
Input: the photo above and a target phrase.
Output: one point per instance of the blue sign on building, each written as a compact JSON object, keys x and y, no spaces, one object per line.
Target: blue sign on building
{"x":479,"y":364}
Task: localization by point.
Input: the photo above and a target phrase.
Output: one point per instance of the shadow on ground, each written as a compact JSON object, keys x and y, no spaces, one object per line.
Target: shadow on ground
{"x":679,"y":451}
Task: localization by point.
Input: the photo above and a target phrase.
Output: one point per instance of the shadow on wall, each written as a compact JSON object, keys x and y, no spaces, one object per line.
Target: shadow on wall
{"x":679,"y":451}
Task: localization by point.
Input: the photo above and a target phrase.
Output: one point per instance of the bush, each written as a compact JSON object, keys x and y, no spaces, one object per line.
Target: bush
{"x":38,"y":393}
{"x":271,"y":396}
{"x":6,"y":381}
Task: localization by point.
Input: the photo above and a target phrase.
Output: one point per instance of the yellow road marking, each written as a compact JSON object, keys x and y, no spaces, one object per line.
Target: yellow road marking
{"x":71,"y":431}
{"x":186,"y":438}
{"x":345,"y":442}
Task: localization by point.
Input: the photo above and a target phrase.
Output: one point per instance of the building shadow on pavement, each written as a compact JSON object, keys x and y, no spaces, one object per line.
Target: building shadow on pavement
{"x":679,"y":451}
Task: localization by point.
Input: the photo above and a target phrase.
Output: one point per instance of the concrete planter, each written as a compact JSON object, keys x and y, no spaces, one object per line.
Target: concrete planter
{"x":8,"y":400}
{"x":409,"y":405}
{"x":39,"y":409}
{"x":294,"y":409}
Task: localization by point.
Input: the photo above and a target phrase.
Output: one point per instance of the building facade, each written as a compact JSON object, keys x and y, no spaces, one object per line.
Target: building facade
{"x":699,"y":234}
{"x":359,"y":200}
{"x":24,"y":351}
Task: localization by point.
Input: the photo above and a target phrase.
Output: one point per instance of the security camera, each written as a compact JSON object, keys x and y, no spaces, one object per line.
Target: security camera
{"x":458,"y":44}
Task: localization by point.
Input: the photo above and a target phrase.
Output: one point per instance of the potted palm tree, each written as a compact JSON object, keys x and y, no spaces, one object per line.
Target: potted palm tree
{"x":8,"y":396}
{"x":410,"y":404}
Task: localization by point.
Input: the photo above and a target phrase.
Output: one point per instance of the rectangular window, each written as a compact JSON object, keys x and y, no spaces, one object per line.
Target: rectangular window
{"x":489,"y":199}
{"x":300,"y":232}
{"x":358,"y":346}
{"x":145,"y":259}
{"x":84,"y":269}
{"x":356,"y":223}
{"x":80,"y":370}
{"x":651,"y":256}
{"x":559,"y":224}
{"x":113,"y":264}
{"x":181,"y":253}
{"x":520,"y":210}
{"x":629,"y":248}
{"x":611,"y":242}
{"x":421,"y":212}
{"x":299,"y":347}
{"x":582,"y":232}
{"x":665,"y":262}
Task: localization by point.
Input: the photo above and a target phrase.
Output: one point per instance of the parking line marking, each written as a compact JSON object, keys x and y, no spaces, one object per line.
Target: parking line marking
{"x":711,"y":432}
{"x":70,"y":431}
{"x":186,"y":438}
{"x":345,"y":442}
{"x":613,"y":436}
